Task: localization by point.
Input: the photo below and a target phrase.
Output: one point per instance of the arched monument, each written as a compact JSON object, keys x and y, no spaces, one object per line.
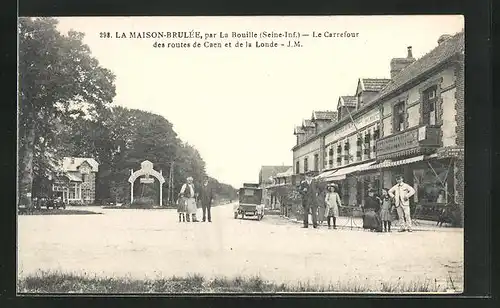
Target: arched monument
{"x":146,"y":170}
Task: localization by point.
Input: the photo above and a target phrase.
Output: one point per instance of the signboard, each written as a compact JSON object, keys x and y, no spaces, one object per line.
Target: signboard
{"x":397,"y":143}
{"x":454,"y":152}
{"x":147,"y":180}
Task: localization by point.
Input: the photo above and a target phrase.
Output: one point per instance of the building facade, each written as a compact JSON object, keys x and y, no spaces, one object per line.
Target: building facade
{"x":75,"y":180}
{"x":266,"y":179}
{"x":411,"y":124}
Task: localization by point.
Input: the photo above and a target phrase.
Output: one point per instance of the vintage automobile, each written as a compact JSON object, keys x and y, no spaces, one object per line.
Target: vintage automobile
{"x":250,"y":202}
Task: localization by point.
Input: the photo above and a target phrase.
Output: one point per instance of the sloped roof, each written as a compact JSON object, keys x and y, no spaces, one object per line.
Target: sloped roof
{"x":324,"y":115}
{"x":298,"y":130}
{"x":444,"y":51}
{"x":74,"y":177}
{"x":373,"y":84}
{"x":268,"y":171}
{"x":308,"y":123}
{"x":288,"y":172}
{"x":72,"y":163}
{"x":348,"y":101}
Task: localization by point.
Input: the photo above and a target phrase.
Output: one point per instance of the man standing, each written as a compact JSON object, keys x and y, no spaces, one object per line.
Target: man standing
{"x":309,"y":192}
{"x":401,"y":192}
{"x":187,"y":191}
{"x":206,"y":198}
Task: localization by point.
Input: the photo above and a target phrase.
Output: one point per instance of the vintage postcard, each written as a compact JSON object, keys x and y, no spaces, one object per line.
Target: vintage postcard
{"x":268,"y":154}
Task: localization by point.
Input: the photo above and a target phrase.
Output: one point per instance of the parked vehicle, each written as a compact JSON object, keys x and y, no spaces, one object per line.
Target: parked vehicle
{"x":249,"y":202}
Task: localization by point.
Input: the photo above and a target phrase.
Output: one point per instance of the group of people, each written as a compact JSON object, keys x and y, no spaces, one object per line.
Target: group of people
{"x":189,"y":198}
{"x":377,"y":210}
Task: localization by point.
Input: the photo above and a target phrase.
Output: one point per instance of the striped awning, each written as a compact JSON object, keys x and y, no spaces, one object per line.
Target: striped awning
{"x":341,"y":174}
{"x":389,"y":164}
{"x":325,"y":174}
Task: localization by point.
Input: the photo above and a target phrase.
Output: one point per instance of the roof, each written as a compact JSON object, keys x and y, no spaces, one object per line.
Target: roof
{"x":308,"y":123}
{"x":444,"y":51}
{"x":298,"y":130}
{"x":268,"y":171}
{"x":373,"y":84}
{"x":74,"y":177}
{"x":348,"y":101}
{"x":324,"y":115}
{"x":288,"y":172}
{"x":430,"y":61}
{"x":72,"y":163}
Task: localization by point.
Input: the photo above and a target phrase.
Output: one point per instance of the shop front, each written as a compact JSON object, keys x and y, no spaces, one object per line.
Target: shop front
{"x":414,"y":155}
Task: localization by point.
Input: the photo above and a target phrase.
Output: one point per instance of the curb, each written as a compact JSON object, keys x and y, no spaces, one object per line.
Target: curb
{"x":415,"y":228}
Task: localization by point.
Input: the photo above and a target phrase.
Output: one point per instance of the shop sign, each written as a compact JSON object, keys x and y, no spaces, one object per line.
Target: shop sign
{"x":401,"y":142}
{"x":454,"y":152}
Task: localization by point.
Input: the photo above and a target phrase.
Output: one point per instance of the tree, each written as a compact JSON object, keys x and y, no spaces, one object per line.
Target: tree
{"x":58,"y":79}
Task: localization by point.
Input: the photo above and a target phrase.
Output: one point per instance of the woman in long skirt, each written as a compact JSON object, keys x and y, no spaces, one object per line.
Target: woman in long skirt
{"x":187,"y":192}
{"x":371,"y":218}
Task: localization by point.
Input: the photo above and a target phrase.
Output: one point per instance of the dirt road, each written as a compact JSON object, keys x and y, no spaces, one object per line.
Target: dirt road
{"x":152,"y":243}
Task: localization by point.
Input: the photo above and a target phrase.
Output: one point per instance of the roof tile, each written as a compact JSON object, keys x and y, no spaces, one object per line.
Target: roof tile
{"x":374,"y":84}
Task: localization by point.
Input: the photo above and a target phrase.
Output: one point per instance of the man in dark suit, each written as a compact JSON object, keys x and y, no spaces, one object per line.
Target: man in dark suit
{"x":206,"y":198}
{"x":309,"y":193}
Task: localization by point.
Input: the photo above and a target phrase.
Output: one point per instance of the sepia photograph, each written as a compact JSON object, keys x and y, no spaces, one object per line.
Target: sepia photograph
{"x":241,"y":155}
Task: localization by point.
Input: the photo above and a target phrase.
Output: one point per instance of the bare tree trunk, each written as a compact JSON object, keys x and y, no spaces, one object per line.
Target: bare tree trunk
{"x":26,"y":164}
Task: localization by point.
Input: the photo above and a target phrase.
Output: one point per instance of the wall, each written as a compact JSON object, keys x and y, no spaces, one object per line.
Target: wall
{"x":445,"y":81}
{"x":307,"y":150}
{"x":448,"y":116}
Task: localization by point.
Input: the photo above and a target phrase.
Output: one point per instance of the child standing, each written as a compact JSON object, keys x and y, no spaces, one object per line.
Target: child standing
{"x":385,"y":210}
{"x":181,"y":209}
{"x":332,"y":201}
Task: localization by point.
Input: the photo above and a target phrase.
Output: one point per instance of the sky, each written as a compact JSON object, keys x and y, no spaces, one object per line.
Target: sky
{"x":239,"y":106}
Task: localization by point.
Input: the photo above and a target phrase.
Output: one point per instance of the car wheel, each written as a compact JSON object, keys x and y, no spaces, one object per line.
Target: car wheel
{"x":235,"y":215}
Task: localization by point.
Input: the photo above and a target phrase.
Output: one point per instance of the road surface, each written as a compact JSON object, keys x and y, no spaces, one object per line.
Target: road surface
{"x":152,"y":243}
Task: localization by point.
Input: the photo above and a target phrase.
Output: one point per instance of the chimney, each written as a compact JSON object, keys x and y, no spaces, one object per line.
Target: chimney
{"x":398,"y":64}
{"x":443,"y":38}
{"x":410,"y":55}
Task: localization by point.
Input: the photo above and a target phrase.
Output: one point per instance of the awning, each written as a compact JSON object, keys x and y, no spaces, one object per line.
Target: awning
{"x":325,"y":174}
{"x":340,"y":174}
{"x":73,"y":177}
{"x":388,"y":163}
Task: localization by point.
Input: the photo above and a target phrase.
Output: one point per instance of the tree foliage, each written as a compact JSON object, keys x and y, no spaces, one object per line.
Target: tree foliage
{"x":65,"y":109}
{"x":58,"y":79}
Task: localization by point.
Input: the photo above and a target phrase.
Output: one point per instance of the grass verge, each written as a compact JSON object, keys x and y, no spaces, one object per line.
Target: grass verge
{"x":57,"y":282}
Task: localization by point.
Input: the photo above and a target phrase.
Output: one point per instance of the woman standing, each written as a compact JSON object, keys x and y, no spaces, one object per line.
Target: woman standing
{"x":332,"y":201}
{"x":188,"y":194}
{"x":371,"y":218}
{"x":386,"y":209}
{"x":321,"y":205}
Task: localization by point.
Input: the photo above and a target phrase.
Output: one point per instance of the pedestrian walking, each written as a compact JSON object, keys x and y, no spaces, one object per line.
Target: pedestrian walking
{"x":188,"y":194}
{"x":332,"y":201}
{"x":309,"y":193}
{"x":206,"y":198}
{"x":386,"y":210}
{"x":401,"y":192}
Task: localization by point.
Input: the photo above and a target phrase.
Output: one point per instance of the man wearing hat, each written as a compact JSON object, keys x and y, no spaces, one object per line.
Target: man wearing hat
{"x":401,"y":192}
{"x":309,"y":193}
{"x":206,"y":198}
{"x":188,"y":194}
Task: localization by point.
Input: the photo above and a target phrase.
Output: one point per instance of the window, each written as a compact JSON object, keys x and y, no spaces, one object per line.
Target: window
{"x":297,"y":167}
{"x":330,"y":157}
{"x":432,"y":189}
{"x":399,"y":117}
{"x":429,"y":101}
{"x":306,"y":167}
{"x":316,"y":162}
